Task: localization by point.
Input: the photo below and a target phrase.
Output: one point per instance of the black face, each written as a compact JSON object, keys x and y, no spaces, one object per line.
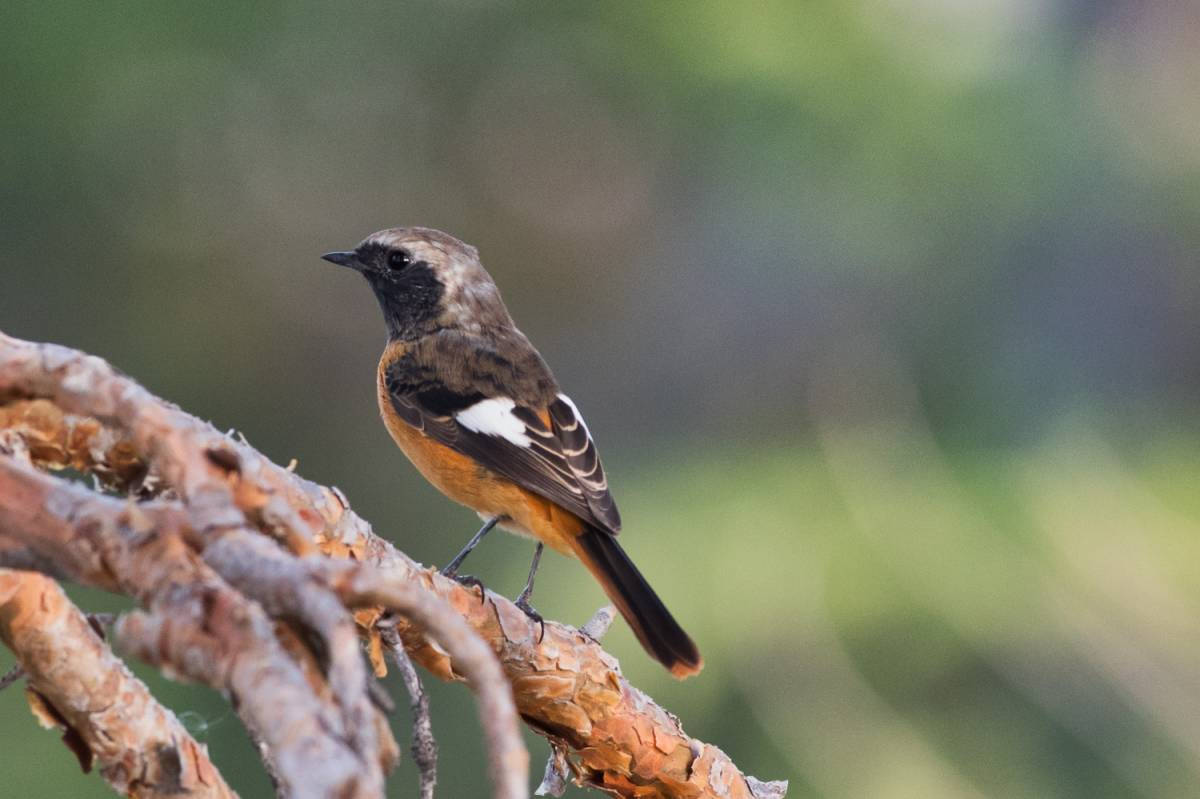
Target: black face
{"x":408,"y":290}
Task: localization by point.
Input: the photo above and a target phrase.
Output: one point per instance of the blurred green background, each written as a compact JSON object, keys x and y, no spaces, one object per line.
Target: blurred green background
{"x":884,"y":314}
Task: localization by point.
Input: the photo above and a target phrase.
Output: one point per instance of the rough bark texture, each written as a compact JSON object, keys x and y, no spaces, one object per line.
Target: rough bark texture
{"x":195,"y":625}
{"x":247,"y":575}
{"x":107,"y":716}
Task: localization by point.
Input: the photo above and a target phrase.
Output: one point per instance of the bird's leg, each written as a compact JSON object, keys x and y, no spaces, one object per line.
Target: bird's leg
{"x":526,"y":592}
{"x":451,"y":568}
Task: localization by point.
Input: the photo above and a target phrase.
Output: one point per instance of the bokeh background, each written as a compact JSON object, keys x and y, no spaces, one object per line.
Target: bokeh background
{"x":884,"y":313}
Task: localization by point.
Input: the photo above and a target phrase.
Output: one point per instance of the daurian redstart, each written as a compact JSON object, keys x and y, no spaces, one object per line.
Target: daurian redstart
{"x":475,"y":408}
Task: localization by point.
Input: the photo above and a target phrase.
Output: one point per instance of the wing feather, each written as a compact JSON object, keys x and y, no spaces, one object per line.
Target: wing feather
{"x":559,"y":461}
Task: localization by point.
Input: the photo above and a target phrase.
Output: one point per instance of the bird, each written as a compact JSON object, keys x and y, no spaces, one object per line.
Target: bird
{"x":473,"y":405}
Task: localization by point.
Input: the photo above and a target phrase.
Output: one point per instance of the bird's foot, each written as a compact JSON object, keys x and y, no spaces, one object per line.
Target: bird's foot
{"x":468,"y":581}
{"x":528,"y":610}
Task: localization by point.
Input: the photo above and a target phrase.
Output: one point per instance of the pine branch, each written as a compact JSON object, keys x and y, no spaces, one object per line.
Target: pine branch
{"x":107,"y":715}
{"x":247,"y":575}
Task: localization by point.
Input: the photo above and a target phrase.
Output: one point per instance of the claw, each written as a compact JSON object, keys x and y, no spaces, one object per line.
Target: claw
{"x":528,"y":610}
{"x":470,"y":581}
{"x":523,"y":599}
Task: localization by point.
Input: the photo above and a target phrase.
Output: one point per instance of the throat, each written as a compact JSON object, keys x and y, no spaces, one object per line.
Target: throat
{"x":410,"y":302}
{"x":406,"y":322}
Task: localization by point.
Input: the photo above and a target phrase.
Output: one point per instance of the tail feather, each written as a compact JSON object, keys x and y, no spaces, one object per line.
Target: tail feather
{"x":652,"y":623}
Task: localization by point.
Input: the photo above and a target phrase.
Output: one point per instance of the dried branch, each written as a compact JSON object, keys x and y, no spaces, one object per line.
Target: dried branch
{"x":566,"y":688}
{"x":597,"y":626}
{"x":11,"y":676}
{"x":197,"y":626}
{"x":424,"y":746}
{"x":564,"y":685}
{"x":96,"y":620}
{"x":108,"y":716}
{"x":558,"y":772}
{"x":508,"y":761}
{"x":287,"y":588}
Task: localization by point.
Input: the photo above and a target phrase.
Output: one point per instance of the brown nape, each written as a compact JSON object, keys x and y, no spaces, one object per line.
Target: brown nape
{"x":655,"y":627}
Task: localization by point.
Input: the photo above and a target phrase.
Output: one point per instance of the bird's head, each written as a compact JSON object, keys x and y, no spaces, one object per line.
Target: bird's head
{"x":425,"y":280}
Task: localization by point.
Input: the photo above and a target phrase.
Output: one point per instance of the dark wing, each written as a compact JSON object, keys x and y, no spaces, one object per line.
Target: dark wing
{"x":577,"y":446}
{"x":556,"y":461}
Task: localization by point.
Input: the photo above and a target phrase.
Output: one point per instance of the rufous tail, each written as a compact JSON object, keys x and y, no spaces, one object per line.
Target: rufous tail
{"x":652,"y":623}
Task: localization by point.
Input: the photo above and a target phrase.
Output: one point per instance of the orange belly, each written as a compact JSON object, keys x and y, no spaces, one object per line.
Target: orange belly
{"x":479,"y":488}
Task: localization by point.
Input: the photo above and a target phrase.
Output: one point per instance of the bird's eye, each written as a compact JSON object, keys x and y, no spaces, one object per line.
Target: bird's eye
{"x":398,"y":259}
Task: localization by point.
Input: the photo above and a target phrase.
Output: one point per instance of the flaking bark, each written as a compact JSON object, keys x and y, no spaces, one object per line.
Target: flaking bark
{"x":107,"y":716}
{"x":210,"y":583}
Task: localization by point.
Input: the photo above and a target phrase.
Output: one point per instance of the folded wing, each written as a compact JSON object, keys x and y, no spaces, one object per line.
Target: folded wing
{"x":545,"y":450}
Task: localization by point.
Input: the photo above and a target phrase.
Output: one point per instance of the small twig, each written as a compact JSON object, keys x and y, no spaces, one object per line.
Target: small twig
{"x":767,"y":789}
{"x":11,"y":676}
{"x":598,"y":624}
{"x":554,"y":780}
{"x":424,"y":746}
{"x":380,"y":698}
{"x":99,"y":621}
{"x":508,"y":760}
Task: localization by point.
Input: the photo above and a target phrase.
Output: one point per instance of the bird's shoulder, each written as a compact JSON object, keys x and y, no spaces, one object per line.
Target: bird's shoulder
{"x":498,"y":363}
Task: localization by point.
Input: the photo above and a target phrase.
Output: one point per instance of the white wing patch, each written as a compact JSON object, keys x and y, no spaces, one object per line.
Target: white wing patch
{"x":494,"y":417}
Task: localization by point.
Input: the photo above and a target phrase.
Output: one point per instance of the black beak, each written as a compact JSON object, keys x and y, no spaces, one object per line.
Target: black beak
{"x":349,"y":259}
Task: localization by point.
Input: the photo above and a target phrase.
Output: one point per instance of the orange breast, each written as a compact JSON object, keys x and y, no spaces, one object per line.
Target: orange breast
{"x":479,"y":488}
